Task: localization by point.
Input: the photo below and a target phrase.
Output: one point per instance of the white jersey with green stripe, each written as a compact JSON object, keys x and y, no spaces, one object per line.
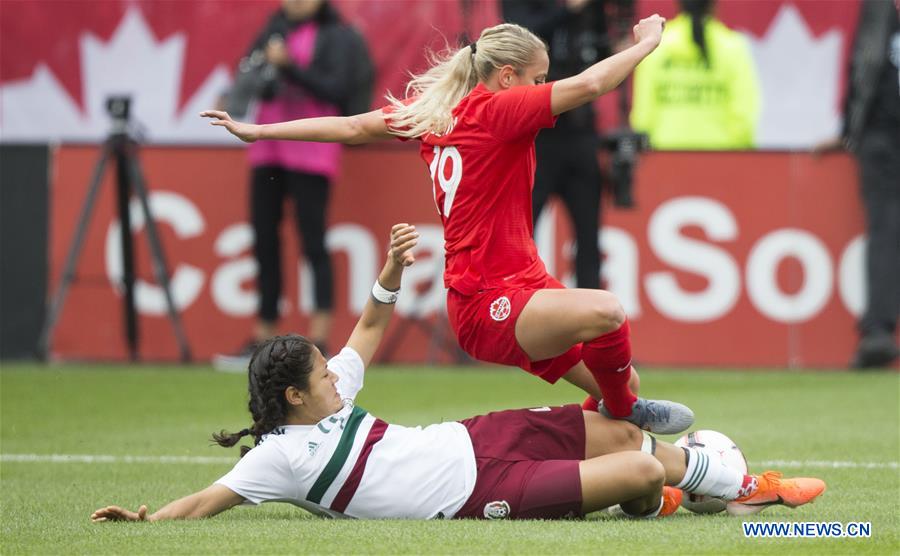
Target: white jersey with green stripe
{"x":351,"y":464}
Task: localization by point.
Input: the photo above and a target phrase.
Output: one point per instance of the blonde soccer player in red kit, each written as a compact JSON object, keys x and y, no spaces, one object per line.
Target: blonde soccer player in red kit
{"x":476,"y":114}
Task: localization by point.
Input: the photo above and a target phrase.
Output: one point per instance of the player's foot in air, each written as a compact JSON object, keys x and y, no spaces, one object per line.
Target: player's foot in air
{"x":774,"y":490}
{"x":671,"y":500}
{"x":657,"y":416}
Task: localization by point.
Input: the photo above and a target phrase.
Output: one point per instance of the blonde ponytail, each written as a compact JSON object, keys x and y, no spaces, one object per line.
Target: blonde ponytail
{"x":453,"y":75}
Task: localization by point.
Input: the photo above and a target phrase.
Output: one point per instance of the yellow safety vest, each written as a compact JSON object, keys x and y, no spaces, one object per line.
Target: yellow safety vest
{"x":683,"y":104}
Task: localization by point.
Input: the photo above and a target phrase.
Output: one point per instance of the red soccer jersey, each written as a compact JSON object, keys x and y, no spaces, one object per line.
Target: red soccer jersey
{"x":482,"y":174}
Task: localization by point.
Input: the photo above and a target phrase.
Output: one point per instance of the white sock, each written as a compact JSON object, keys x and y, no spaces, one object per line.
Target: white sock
{"x":708,"y":475}
{"x":648,"y":446}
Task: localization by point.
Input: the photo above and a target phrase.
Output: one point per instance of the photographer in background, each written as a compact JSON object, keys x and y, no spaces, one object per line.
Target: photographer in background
{"x":871,"y":131}
{"x":305,"y":63}
{"x":578,"y":33}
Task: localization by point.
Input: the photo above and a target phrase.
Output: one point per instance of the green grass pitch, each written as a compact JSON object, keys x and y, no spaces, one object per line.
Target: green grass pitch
{"x":810,"y":420}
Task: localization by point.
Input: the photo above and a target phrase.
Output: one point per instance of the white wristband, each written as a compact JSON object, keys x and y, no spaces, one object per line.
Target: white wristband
{"x":383,"y":295}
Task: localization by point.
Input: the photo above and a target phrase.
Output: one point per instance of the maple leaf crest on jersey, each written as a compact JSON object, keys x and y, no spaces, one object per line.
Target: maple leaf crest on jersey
{"x":500,"y":309}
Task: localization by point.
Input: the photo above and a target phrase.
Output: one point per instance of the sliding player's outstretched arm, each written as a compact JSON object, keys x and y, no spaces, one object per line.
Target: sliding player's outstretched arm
{"x":607,"y":74}
{"x":377,"y":313}
{"x":205,"y":503}
{"x":350,"y":130}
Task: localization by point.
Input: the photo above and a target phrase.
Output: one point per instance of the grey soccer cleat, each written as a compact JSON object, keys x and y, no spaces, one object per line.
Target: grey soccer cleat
{"x":658,"y":416}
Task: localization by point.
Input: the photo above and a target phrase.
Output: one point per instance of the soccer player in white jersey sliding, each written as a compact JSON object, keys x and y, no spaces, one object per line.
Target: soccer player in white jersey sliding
{"x":316,"y":449}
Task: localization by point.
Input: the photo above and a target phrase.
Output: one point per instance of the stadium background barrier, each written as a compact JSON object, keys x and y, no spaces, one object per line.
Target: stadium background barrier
{"x":23,"y":246}
{"x":174,"y":62}
{"x":693,"y":266}
{"x":730,"y":259}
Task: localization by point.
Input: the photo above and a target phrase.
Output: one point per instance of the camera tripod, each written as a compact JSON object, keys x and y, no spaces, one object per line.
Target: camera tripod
{"x":122,"y":149}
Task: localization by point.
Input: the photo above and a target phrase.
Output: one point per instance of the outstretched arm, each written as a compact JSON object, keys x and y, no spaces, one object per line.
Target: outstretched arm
{"x":376,"y":315}
{"x":206,"y":503}
{"x":350,"y":130}
{"x":605,"y":75}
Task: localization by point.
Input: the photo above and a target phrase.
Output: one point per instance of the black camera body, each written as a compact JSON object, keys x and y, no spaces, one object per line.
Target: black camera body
{"x":119,"y":107}
{"x":625,"y":144}
{"x":255,"y":78}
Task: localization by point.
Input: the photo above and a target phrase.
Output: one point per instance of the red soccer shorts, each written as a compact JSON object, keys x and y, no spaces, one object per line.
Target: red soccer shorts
{"x":528,"y":464}
{"x":485,"y":326}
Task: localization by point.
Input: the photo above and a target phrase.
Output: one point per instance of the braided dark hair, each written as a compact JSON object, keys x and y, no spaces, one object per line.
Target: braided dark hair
{"x":698,"y":10}
{"x":276,"y":364}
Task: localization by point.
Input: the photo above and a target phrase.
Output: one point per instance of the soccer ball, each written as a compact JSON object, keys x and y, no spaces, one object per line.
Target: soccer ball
{"x":719,"y":446}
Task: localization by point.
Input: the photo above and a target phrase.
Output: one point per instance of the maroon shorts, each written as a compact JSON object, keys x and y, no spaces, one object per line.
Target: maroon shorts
{"x":527,"y":462}
{"x":485,"y":325}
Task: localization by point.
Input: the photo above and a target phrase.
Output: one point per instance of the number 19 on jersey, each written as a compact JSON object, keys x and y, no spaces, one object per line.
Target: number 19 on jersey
{"x":439,"y":177}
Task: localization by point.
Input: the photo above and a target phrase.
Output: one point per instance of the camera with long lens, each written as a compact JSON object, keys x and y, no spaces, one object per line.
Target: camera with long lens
{"x":256,"y":78}
{"x":625,"y":145}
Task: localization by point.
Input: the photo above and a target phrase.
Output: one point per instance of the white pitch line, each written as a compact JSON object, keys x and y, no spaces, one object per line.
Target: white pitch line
{"x":101,"y":458}
{"x":218,"y":460}
{"x":776,"y":463}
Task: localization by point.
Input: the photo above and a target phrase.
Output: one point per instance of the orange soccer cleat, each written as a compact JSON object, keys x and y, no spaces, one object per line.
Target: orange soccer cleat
{"x":773,"y":490}
{"x":671,"y":500}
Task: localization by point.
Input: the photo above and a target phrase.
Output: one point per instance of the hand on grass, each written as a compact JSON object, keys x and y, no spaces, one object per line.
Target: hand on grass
{"x":115,"y":513}
{"x":247,"y":133}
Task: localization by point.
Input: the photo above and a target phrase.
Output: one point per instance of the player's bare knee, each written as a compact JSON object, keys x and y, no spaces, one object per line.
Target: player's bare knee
{"x":600,"y":314}
{"x":649,"y":472}
{"x":624,"y":435}
{"x":608,"y":312}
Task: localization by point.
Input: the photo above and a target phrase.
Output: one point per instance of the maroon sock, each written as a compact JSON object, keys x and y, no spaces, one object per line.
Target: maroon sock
{"x":608,"y":357}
